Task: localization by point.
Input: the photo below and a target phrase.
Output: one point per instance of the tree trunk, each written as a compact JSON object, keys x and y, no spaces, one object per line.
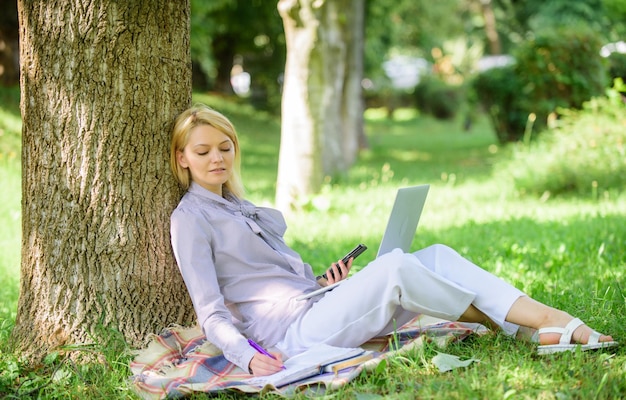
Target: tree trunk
{"x":101,"y":82}
{"x":353,"y":133}
{"x":224,"y":53}
{"x":490,"y":28}
{"x":322,"y":108}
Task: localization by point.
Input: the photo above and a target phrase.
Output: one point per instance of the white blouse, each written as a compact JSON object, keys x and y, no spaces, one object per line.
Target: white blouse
{"x":241,"y":275}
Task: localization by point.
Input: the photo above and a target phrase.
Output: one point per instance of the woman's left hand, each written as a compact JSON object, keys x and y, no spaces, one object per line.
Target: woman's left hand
{"x":338,"y":271}
{"x":261,"y":365}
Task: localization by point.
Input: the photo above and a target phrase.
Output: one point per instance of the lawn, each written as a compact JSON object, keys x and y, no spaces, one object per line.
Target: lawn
{"x":569,"y":252}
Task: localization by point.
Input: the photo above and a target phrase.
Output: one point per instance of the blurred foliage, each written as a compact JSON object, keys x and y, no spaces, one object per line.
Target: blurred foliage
{"x":435,"y":97}
{"x":410,"y":27}
{"x":583,"y":154}
{"x":498,"y":91}
{"x":9,"y":44}
{"x":10,"y":123}
{"x":617,"y":65}
{"x":566,"y":13}
{"x":616,"y":15}
{"x":520,"y":20}
{"x":247,"y":35}
{"x":453,"y":35}
{"x":415,"y":28}
{"x":560,"y":67}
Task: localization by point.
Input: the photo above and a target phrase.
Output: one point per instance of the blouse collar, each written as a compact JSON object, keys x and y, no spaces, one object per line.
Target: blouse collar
{"x":199,"y":190}
{"x":229,"y":200}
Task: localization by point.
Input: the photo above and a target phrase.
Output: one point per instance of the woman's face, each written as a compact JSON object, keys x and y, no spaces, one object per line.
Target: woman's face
{"x":209,"y":156}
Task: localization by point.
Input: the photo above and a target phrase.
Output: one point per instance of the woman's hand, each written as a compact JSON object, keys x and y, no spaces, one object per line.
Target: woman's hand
{"x":261,"y":364}
{"x":339,"y":271}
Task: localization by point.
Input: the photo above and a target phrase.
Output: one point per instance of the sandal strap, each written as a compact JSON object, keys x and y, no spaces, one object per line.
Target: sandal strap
{"x":594,"y":338}
{"x":570,"y":328}
{"x":566,"y":333}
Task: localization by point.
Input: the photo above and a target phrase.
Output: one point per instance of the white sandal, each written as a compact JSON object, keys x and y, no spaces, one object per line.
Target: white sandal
{"x":565,"y":343}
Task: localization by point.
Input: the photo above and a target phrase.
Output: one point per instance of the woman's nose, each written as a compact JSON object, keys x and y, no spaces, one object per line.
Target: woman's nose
{"x":216,"y":156}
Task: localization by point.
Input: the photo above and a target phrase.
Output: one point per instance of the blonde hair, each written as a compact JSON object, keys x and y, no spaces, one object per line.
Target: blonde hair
{"x":197,"y":115}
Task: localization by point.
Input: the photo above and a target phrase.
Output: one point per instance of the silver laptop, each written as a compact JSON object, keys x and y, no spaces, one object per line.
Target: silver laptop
{"x":401,"y":227}
{"x":405,"y":215}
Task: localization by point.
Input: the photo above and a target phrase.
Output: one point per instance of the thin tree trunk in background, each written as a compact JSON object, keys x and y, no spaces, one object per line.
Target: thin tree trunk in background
{"x":491,"y":31}
{"x":322,"y":108}
{"x":224,"y":53}
{"x":353,"y":131}
{"x":101,"y":82}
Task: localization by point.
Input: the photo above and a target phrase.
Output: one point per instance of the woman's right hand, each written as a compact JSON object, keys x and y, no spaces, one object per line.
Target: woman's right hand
{"x":339,"y":271}
{"x":261,"y":364}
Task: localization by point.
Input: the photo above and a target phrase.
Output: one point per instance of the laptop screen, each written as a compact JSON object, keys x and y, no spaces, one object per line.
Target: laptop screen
{"x":403,"y":220}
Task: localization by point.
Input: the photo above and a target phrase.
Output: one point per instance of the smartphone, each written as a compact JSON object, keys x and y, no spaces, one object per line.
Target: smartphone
{"x":353,"y":254}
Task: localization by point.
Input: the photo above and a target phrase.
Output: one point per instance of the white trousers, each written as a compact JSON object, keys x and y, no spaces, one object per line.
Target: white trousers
{"x":395,"y":288}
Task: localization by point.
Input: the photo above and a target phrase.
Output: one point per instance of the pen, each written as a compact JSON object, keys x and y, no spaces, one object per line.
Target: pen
{"x":261,"y":349}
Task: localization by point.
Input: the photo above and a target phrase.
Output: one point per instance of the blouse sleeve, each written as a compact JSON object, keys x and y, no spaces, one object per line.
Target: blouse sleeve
{"x":190,"y":237}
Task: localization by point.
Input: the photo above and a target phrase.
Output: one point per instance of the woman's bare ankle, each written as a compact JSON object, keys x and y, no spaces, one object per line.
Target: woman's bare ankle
{"x":554,"y":318}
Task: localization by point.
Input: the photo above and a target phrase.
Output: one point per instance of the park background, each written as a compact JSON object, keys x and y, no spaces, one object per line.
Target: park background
{"x":525,"y":159}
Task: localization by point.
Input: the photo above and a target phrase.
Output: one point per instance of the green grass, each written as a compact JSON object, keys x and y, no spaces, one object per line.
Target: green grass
{"x":583,"y":154}
{"x":10,"y":207}
{"x":569,"y":252}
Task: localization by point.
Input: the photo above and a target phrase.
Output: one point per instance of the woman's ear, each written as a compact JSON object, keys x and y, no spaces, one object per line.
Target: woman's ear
{"x":182,"y":160}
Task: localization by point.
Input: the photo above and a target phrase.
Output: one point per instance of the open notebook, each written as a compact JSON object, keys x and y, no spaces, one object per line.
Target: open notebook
{"x":401,"y":226}
{"x":312,"y":362}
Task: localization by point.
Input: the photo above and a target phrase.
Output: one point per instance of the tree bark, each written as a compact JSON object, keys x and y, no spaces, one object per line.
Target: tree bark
{"x":101,"y":82}
{"x":322,"y":108}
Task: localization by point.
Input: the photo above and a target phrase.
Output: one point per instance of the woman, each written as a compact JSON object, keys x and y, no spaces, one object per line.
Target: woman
{"x":243,"y":279}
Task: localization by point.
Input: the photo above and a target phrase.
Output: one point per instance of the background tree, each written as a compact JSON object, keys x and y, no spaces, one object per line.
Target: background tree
{"x":558,"y":65}
{"x":520,"y":20}
{"x":101,"y":81}
{"x":247,"y":33}
{"x":322,"y":109}
{"x":445,"y":37}
{"x":491,"y":30}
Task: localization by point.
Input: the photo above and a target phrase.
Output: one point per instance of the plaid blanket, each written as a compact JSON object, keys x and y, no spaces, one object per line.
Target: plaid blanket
{"x":180,"y":361}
